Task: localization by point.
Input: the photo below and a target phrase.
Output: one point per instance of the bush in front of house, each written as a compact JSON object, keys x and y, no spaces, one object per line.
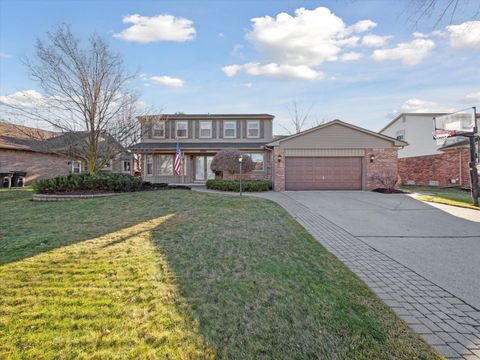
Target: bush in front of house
{"x":227,"y":161}
{"x":234,"y":185}
{"x":101,"y":182}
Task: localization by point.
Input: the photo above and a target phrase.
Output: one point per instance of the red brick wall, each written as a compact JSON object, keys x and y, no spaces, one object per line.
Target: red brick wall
{"x":36,"y":165}
{"x":278,"y":169}
{"x":445,"y":167}
{"x":384,"y":164}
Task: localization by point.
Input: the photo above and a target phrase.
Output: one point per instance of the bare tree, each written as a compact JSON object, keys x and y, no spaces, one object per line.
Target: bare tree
{"x":86,"y":97}
{"x":442,"y":10}
{"x":299,"y":117}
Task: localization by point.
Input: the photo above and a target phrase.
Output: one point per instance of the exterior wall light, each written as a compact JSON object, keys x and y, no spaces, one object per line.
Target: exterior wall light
{"x":279,"y":157}
{"x":372,"y":158}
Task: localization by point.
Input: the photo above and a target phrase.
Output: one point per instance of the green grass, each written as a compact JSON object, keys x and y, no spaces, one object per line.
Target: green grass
{"x":181,"y":275}
{"x":458,"y":197}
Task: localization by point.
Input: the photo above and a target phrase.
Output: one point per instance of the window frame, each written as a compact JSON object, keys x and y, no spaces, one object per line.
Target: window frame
{"x":225,"y":136}
{"x":257,"y":122}
{"x":129,"y":166}
{"x":186,"y":129}
{"x":400,"y":135}
{"x":158,"y":123}
{"x":79,"y":163}
{"x":200,"y":129}
{"x":263,"y":161}
{"x":170,"y":166}
{"x":148,"y":157}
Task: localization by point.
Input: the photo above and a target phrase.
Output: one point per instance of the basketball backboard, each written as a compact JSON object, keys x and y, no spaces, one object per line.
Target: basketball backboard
{"x":459,"y":123}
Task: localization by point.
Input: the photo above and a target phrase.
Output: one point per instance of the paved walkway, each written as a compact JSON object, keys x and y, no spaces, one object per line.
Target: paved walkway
{"x":446,"y":322}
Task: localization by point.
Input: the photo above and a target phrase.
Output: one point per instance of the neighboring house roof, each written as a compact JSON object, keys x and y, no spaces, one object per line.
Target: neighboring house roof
{"x":454,"y":145}
{"x":196,"y":145}
{"x":18,"y":137}
{"x":204,"y":116}
{"x":396,"y":142}
{"x":414,"y":114}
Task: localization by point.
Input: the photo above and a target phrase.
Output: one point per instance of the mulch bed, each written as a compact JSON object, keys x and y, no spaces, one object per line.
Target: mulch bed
{"x":389,"y":191}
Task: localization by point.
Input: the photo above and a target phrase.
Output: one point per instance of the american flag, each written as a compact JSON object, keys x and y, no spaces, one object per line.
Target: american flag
{"x":177,"y":166}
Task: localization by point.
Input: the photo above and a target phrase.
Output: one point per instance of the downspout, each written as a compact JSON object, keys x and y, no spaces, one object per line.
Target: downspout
{"x":460,"y":167}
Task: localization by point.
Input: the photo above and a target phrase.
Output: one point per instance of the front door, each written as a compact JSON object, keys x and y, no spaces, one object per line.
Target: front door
{"x":202,"y":168}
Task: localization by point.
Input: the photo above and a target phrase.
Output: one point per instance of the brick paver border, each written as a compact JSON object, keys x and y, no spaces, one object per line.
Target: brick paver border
{"x":446,"y":322}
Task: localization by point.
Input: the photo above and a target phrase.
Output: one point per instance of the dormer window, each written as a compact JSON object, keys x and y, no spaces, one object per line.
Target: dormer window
{"x":230,"y":129}
{"x":253,"y":129}
{"x":181,"y":128}
{"x":159,"y":129}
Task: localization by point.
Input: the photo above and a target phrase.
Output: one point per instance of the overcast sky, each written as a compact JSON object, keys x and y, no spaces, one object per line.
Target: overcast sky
{"x":359,"y":61}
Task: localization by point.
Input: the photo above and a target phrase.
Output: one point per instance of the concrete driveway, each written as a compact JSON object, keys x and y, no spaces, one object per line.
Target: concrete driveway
{"x":437,"y":245}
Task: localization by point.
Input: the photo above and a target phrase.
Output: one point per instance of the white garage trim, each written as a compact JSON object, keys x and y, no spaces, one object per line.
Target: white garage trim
{"x":325,"y":152}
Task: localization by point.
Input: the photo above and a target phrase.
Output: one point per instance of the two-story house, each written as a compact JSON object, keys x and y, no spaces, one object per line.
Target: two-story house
{"x":424,"y":161}
{"x":200,"y":137}
{"x":331,"y":156}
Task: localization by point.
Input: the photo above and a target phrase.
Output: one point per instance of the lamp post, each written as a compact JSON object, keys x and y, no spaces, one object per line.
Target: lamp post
{"x":240,"y":159}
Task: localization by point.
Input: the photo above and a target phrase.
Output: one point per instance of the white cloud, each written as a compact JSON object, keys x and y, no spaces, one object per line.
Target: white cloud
{"x":309,"y":38}
{"x":472,"y":97}
{"x":4,"y":55}
{"x":167,"y":81}
{"x":247,"y":85}
{"x":410,"y":53}
{"x":220,"y":34}
{"x":371,"y":40}
{"x":231,"y":70}
{"x":417,"y":35}
{"x":156,"y":28}
{"x":26,"y":98}
{"x":282,"y":71}
{"x":363,"y":25}
{"x":464,"y":35}
{"x":351,"y":56}
{"x":422,"y":106}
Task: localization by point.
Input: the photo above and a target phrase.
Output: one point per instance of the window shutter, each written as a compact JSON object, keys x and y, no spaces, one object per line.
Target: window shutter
{"x":239,"y":129}
{"x":220,"y":129}
{"x":167,"y":129}
{"x":214,"y":129}
{"x":197,"y":129}
{"x":172,"y":129}
{"x":262,"y":129}
{"x":190,"y":129}
{"x":244,"y":129}
{"x":150,"y":129}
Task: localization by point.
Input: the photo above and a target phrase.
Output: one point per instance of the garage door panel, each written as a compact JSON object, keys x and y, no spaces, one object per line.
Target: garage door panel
{"x":323,"y":173}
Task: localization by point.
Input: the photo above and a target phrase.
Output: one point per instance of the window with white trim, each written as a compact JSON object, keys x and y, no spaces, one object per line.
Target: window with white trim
{"x":126,"y":165}
{"x":181,"y":128}
{"x":205,"y":129}
{"x":400,"y":135}
{"x":164,"y":165}
{"x":149,"y":165}
{"x":253,"y":129}
{"x":159,"y":129}
{"x":259,"y":161}
{"x":230,"y":129}
{"x":76,"y":167}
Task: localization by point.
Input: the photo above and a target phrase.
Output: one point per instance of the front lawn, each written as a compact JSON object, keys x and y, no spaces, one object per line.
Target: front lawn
{"x":181,"y":275}
{"x":449,"y":196}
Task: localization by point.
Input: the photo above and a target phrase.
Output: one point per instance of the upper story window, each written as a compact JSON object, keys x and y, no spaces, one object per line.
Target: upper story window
{"x":205,"y":129}
{"x":400,"y":135}
{"x":230,"y":129}
{"x":181,"y":128}
{"x":253,"y":129}
{"x":159,"y":129}
{"x":149,"y":165}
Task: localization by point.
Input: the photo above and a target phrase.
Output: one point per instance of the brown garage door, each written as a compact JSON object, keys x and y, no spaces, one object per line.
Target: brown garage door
{"x":323,"y":173}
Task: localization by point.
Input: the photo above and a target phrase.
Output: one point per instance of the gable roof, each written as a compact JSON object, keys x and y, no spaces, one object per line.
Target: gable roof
{"x":18,"y":137}
{"x":396,"y":142}
{"x":399,"y":116}
{"x":204,"y":116}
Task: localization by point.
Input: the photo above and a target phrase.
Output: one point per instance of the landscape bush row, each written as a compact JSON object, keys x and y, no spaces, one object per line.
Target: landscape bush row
{"x":234,"y":185}
{"x":104,"y":182}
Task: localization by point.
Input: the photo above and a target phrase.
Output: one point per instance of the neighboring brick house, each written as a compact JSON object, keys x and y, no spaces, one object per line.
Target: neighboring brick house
{"x":423,"y":162}
{"x":335,"y":155}
{"x":30,"y":150}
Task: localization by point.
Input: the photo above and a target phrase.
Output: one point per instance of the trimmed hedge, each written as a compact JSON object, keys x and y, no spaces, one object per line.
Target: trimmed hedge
{"x":234,"y":185}
{"x":108,"y":182}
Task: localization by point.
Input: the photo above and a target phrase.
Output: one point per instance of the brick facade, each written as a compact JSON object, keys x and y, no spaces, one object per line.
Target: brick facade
{"x":36,"y":165}
{"x":279,"y":169}
{"x":381,"y":163}
{"x":450,"y":168}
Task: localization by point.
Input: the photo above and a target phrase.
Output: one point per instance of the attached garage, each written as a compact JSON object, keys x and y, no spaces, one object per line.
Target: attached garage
{"x":323,"y":173}
{"x":334,"y":156}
